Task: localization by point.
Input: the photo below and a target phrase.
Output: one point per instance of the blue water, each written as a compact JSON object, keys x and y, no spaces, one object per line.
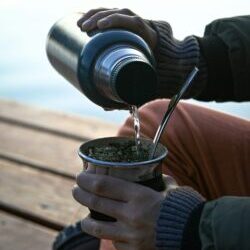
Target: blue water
{"x":26,"y":75}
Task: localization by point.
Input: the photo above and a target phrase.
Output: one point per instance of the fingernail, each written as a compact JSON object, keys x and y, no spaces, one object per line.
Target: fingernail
{"x":76,"y":176}
{"x":74,"y":189}
{"x":103,"y":23}
{"x":86,"y":25}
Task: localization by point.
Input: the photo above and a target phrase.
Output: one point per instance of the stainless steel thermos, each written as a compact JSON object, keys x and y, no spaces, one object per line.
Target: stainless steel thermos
{"x":114,"y":68}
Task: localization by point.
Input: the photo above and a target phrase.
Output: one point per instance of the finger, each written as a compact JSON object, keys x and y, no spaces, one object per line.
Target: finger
{"x":91,"y":23}
{"x":107,"y":244}
{"x":119,"y":245}
{"x":108,"y":186}
{"x":104,"y":230}
{"x":100,"y":204}
{"x":117,"y":20}
{"x":89,"y":14}
{"x":132,"y":23}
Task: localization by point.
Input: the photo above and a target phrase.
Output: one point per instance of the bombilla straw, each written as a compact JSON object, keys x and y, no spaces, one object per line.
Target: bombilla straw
{"x":171,"y":106}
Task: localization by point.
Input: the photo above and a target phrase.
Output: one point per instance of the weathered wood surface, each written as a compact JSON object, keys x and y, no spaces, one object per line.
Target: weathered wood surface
{"x":50,"y":150}
{"x":39,"y":193}
{"x":23,"y":135}
{"x":19,"y":234}
{"x":55,"y":121}
{"x":38,"y":161}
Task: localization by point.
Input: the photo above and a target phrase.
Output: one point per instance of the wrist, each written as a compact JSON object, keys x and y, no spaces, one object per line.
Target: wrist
{"x":176,"y":219}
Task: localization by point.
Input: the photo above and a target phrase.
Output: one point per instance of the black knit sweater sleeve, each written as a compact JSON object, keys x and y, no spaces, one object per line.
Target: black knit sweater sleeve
{"x":179,"y":219}
{"x":222,"y":55}
{"x":226,"y":49}
{"x":175,"y":60}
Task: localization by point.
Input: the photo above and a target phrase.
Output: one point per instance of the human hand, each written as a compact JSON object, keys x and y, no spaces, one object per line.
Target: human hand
{"x":135,"y":207}
{"x":103,"y":18}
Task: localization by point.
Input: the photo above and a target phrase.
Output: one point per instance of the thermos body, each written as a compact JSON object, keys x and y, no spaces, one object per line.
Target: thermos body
{"x":64,"y":47}
{"x":113,"y":68}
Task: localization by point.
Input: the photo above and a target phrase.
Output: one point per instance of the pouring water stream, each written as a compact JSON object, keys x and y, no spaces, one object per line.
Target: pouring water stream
{"x":172,"y":104}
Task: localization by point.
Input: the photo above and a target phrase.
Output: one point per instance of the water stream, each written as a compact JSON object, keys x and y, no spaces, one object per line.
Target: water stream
{"x":135,"y":114}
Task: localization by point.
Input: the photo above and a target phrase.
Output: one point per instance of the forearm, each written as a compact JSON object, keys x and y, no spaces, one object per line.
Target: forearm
{"x":186,"y":222}
{"x":222,"y":56}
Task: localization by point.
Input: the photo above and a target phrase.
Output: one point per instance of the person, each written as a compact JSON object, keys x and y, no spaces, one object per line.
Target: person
{"x":207,"y":204}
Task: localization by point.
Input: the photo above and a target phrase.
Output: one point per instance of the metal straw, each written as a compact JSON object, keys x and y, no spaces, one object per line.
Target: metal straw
{"x":171,"y":106}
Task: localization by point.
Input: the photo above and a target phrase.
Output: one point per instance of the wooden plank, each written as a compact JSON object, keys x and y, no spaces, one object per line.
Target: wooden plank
{"x":65,"y":123}
{"x":39,"y":148}
{"x":16,"y":233}
{"x":28,"y":162}
{"x":39,"y":193}
{"x":38,"y":159}
{"x":27,"y":215}
{"x":53,"y":151}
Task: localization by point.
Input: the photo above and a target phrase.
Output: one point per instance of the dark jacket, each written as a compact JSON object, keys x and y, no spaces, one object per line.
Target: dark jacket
{"x":225,"y":48}
{"x":225,"y":222}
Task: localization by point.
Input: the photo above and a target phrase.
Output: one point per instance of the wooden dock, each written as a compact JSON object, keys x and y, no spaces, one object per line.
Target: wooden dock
{"x":38,"y":162}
